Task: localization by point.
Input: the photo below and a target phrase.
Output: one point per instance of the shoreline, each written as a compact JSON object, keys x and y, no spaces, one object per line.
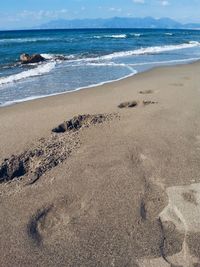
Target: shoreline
{"x":66,"y":92}
{"x":186,"y":62}
{"x":66,"y":105}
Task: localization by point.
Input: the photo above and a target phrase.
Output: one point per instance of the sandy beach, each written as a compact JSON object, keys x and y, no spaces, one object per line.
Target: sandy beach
{"x":117,"y":187}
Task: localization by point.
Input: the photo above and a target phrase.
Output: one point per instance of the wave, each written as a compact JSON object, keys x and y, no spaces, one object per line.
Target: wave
{"x":193,"y":59}
{"x":104,"y":60}
{"x":111,"y":36}
{"x":99,"y":64}
{"x":194,"y":43}
{"x":48,"y":56}
{"x":151,"y":50}
{"x":57,"y":57}
{"x":40,"y":70}
{"x":24,"y":40}
{"x":123,"y":36}
{"x":141,"y":51}
{"x":116,"y":36}
{"x":8,"y":103}
{"x":169,"y":33}
{"x":135,"y":34}
{"x":133,"y":72}
{"x":107,"y":64}
{"x":130,"y":65}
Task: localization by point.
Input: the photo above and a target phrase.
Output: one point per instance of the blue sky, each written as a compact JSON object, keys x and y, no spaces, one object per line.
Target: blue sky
{"x":27,"y":13}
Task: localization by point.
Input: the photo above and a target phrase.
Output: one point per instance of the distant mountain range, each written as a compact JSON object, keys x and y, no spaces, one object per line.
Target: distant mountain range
{"x":118,"y":22}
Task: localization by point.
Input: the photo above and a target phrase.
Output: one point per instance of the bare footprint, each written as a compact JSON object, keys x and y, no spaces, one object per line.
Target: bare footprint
{"x":149,"y":102}
{"x":34,"y":225}
{"x":186,"y":78}
{"x":190,"y":197}
{"x":48,"y":222}
{"x":177,"y":84}
{"x":183,"y":211}
{"x":128,"y":104}
{"x":146,"y":92}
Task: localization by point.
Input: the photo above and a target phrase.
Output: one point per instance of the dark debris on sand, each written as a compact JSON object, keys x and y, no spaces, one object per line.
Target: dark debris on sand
{"x":149,"y":102}
{"x":128,"y":104}
{"x":146,"y":92}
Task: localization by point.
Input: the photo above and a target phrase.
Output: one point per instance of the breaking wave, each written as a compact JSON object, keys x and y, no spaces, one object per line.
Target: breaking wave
{"x":40,"y":70}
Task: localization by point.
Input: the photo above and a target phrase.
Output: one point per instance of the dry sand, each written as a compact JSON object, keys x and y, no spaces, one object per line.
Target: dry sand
{"x":119,"y":191}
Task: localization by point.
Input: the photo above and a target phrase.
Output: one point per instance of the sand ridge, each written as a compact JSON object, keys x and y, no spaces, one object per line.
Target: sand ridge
{"x":49,"y":152}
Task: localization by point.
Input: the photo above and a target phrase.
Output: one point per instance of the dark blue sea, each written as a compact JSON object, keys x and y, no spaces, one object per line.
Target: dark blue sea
{"x":76,"y":59}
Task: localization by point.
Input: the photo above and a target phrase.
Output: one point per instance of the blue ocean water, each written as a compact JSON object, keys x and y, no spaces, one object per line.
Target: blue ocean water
{"x":81,"y":58}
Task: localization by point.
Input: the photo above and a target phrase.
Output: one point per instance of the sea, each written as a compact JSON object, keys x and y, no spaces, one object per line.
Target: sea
{"x":78,"y":59}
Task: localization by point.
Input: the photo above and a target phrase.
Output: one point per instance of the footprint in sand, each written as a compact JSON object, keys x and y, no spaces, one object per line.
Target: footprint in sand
{"x":146,"y":92}
{"x":190,"y":197}
{"x":128,"y":104}
{"x":131,"y":104}
{"x":186,"y":78}
{"x":177,"y":84}
{"x":149,"y":102}
{"x":152,"y":240}
{"x":50,"y":222}
{"x":181,"y":228}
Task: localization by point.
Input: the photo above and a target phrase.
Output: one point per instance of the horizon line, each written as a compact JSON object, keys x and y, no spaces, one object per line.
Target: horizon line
{"x":39,"y":27}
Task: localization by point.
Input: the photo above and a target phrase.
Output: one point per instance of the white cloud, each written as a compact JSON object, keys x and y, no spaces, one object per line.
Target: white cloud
{"x":41,"y":14}
{"x":114,"y":9}
{"x":139,"y":1}
{"x":164,"y":3}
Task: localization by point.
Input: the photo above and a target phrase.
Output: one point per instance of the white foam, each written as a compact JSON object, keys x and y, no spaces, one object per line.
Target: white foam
{"x":166,"y":62}
{"x":113,"y":64}
{"x":102,"y":64}
{"x":48,"y":56}
{"x":58,"y":57}
{"x":137,"y":34}
{"x":24,"y":40}
{"x":152,"y":50}
{"x":8,"y":103}
{"x":141,"y":51}
{"x":111,"y":36}
{"x":195,"y":43}
{"x":40,"y":70}
{"x":169,"y":33}
{"x":117,"y":36}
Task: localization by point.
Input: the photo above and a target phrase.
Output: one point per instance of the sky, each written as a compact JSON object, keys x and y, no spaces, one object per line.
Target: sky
{"x":28,"y":13}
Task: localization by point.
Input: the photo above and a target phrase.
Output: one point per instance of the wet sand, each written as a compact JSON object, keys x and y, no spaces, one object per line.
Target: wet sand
{"x":117,"y":187}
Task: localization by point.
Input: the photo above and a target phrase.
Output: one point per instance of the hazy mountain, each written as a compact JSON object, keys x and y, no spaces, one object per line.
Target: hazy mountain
{"x":117,"y":22}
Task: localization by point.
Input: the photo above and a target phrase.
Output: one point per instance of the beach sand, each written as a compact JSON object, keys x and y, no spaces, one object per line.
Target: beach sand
{"x":118,"y":189}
